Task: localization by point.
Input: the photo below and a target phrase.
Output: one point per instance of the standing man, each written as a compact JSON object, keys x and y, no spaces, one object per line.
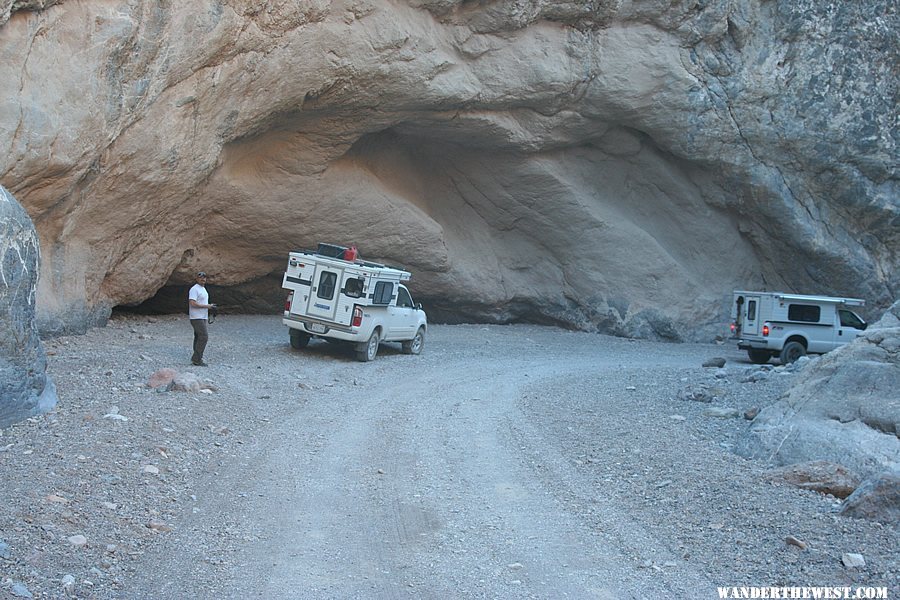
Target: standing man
{"x":198,"y":311}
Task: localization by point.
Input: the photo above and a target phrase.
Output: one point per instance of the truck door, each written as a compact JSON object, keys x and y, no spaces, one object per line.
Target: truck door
{"x":849,"y":326}
{"x":402,"y":322}
{"x":323,"y":295}
{"x":749,"y":312}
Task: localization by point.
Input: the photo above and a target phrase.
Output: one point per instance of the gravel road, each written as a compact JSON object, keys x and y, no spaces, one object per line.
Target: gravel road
{"x":504,"y":462}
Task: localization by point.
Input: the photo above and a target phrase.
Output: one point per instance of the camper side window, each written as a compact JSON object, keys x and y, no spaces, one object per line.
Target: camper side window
{"x":353,"y":288}
{"x":751,"y":310}
{"x":383,"y":292}
{"x":326,"y":285}
{"x":806,"y":313}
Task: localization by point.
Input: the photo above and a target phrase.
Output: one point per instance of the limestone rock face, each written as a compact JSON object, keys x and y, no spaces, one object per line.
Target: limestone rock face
{"x":25,"y":389}
{"x":844,"y":408}
{"x":613,"y":166}
{"x":7,"y":7}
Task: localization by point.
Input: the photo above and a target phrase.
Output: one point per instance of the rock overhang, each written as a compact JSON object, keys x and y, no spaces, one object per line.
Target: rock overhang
{"x":523,"y":165}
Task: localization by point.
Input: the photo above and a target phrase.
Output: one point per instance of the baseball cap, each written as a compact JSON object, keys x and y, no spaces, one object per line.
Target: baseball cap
{"x":201,"y":274}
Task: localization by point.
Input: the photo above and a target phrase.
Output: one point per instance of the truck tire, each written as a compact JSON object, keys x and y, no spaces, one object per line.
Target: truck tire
{"x":758,"y":357}
{"x":415,"y":345}
{"x":791,"y":352}
{"x":299,"y":340}
{"x":368,"y":350}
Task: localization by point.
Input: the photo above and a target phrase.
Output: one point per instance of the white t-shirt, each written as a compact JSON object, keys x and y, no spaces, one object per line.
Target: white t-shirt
{"x":199,"y":294}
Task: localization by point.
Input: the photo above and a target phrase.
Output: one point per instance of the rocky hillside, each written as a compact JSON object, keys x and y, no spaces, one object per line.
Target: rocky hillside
{"x":613,"y":166}
{"x":843,"y":409}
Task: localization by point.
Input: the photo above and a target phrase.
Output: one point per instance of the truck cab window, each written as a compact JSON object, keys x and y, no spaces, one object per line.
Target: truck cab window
{"x":326,"y":285}
{"x":805,"y":313}
{"x":404,"y":299}
{"x":849,"y":319}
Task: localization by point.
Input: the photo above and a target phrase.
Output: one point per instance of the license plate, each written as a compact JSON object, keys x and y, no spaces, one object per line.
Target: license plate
{"x":316,"y":327}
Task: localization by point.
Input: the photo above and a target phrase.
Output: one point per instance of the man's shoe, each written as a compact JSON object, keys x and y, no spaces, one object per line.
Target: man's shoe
{"x":199,"y":363}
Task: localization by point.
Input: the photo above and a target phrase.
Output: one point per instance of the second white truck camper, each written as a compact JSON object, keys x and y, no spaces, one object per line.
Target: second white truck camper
{"x":788,"y":326}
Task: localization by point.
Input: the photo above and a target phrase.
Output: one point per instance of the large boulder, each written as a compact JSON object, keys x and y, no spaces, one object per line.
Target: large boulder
{"x":844,"y":408}
{"x":877,"y":499}
{"x":613,"y":166}
{"x":25,"y":388}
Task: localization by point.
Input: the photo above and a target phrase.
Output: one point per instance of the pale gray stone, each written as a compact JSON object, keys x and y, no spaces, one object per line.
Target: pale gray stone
{"x":68,"y":584}
{"x":795,"y":541}
{"x":852,"y":560}
{"x":722,"y":413}
{"x":756,"y":375}
{"x":20,"y":590}
{"x":716,"y":362}
{"x":184,"y":382}
{"x":701,"y":393}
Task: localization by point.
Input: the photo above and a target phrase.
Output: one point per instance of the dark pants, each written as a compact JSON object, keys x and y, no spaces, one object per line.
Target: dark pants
{"x":200,"y":338}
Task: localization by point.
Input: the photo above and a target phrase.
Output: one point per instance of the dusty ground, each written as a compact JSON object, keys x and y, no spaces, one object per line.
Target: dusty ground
{"x":504,"y":462}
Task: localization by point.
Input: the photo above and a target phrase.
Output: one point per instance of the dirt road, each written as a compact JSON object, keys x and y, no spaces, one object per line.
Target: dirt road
{"x":504,"y":462}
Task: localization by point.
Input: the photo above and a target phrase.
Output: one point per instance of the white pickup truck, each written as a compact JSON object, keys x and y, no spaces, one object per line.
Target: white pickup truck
{"x":335,"y":296}
{"x":788,"y":326}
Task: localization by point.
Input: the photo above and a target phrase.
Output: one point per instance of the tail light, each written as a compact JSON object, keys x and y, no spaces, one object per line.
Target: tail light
{"x":733,"y":328}
{"x":357,"y":316}
{"x":287,"y":302}
{"x":766,"y":330}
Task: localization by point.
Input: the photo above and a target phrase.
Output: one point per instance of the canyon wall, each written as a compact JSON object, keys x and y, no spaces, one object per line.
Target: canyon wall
{"x":614,"y":166}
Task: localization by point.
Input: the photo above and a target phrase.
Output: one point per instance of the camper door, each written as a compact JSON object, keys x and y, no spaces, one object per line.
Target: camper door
{"x":749,"y":315}
{"x":323,"y":295}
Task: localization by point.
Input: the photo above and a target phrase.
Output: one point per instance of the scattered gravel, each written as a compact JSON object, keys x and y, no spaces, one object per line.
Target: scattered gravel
{"x":504,"y":462}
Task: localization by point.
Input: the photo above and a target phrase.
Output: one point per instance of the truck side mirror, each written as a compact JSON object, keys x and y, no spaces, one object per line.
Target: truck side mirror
{"x":418,"y":306}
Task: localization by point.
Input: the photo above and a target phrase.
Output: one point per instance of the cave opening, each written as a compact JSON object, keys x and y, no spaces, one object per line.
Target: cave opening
{"x":260,"y":296}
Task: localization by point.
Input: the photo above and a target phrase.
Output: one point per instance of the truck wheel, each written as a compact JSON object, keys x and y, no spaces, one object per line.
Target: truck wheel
{"x":298,"y":340}
{"x":791,"y":352}
{"x":368,"y":350}
{"x":759,"y":357}
{"x":415,"y":345}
